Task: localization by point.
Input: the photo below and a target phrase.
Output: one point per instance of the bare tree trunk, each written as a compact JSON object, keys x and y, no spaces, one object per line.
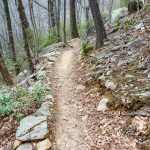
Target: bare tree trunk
{"x":35,"y":35}
{"x":53,"y":23}
{"x":4,"y":72}
{"x":98,"y":23}
{"x":49,"y":17}
{"x":25,"y":27}
{"x":110,"y":10}
{"x":10,"y":34}
{"x":58,"y":9}
{"x":73,"y":23}
{"x":64,"y":27}
{"x":87,"y":19}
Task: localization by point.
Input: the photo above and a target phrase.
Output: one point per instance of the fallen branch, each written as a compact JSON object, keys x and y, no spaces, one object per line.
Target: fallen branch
{"x":33,"y":75}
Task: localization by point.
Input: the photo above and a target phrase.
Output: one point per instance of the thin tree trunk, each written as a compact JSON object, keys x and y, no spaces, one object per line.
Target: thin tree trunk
{"x":49,"y":17}
{"x":64,"y":27}
{"x":53,"y":23}
{"x":4,"y":72}
{"x":35,"y":35}
{"x":58,"y":9}
{"x":73,"y":23}
{"x":87,"y":19}
{"x":25,"y":27}
{"x":98,"y":23}
{"x":10,"y":34}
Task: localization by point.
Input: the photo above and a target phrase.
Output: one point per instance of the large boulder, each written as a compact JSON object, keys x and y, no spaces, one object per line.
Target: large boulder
{"x":118,"y":13}
{"x":32,"y":128}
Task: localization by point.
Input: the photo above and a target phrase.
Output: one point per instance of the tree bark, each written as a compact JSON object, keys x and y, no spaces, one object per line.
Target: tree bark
{"x":58,"y":9}
{"x":49,"y":16}
{"x":25,"y":27}
{"x":73,"y":23}
{"x":98,"y":23}
{"x":64,"y":27}
{"x":10,"y":34}
{"x":4,"y":72}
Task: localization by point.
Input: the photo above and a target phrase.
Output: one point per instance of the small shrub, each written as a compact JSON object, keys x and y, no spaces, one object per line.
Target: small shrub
{"x":16,"y":101}
{"x":122,"y":24}
{"x":86,"y":47}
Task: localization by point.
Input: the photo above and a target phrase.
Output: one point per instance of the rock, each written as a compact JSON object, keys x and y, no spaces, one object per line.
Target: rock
{"x":52,"y":59}
{"x":118,"y":13}
{"x":145,"y":95}
{"x":49,"y":65}
{"x":22,"y":75}
{"x":41,"y":73}
{"x":102,"y":55}
{"x":101,"y":78}
{"x":139,"y":26}
{"x":129,"y":76}
{"x":50,"y":48}
{"x":135,"y":43}
{"x":109,"y":72}
{"x":116,"y":48}
{"x":123,"y":62}
{"x":16,"y":144}
{"x":110,"y":85}
{"x":44,"y":145}
{"x":27,"y":146}
{"x":48,"y":98}
{"x":81,"y":87}
{"x":43,"y":110}
{"x":103,"y":105}
{"x":140,"y":124}
{"x":32,"y":128}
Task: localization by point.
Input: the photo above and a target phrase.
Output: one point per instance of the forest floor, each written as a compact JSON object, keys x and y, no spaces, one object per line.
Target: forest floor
{"x":77,"y":125}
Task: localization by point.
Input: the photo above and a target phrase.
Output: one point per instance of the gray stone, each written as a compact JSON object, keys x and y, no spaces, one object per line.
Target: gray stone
{"x":27,"y":146}
{"x":32,"y":128}
{"x":139,"y":26}
{"x":118,"y":13}
{"x":43,"y":110}
{"x":80,"y":87}
{"x":122,"y":62}
{"x":103,"y":105}
{"x":145,"y":95}
{"x":110,"y":85}
{"x":135,"y":43}
{"x":22,"y":75}
{"x":41,"y":73}
{"x":103,"y":55}
{"x":48,"y":98}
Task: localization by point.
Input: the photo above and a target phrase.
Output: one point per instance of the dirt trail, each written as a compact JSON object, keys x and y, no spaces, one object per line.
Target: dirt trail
{"x":70,"y":126}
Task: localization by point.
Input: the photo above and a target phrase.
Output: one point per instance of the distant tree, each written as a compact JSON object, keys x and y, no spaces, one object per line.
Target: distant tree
{"x":25,"y":26}
{"x":10,"y":34}
{"x":4,"y":72}
{"x":98,"y":23}
{"x":73,"y":23}
{"x":58,"y":10}
{"x":64,"y":27}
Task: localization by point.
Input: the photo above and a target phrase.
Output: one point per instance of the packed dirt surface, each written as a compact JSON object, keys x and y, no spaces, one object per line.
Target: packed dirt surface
{"x":70,"y":129}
